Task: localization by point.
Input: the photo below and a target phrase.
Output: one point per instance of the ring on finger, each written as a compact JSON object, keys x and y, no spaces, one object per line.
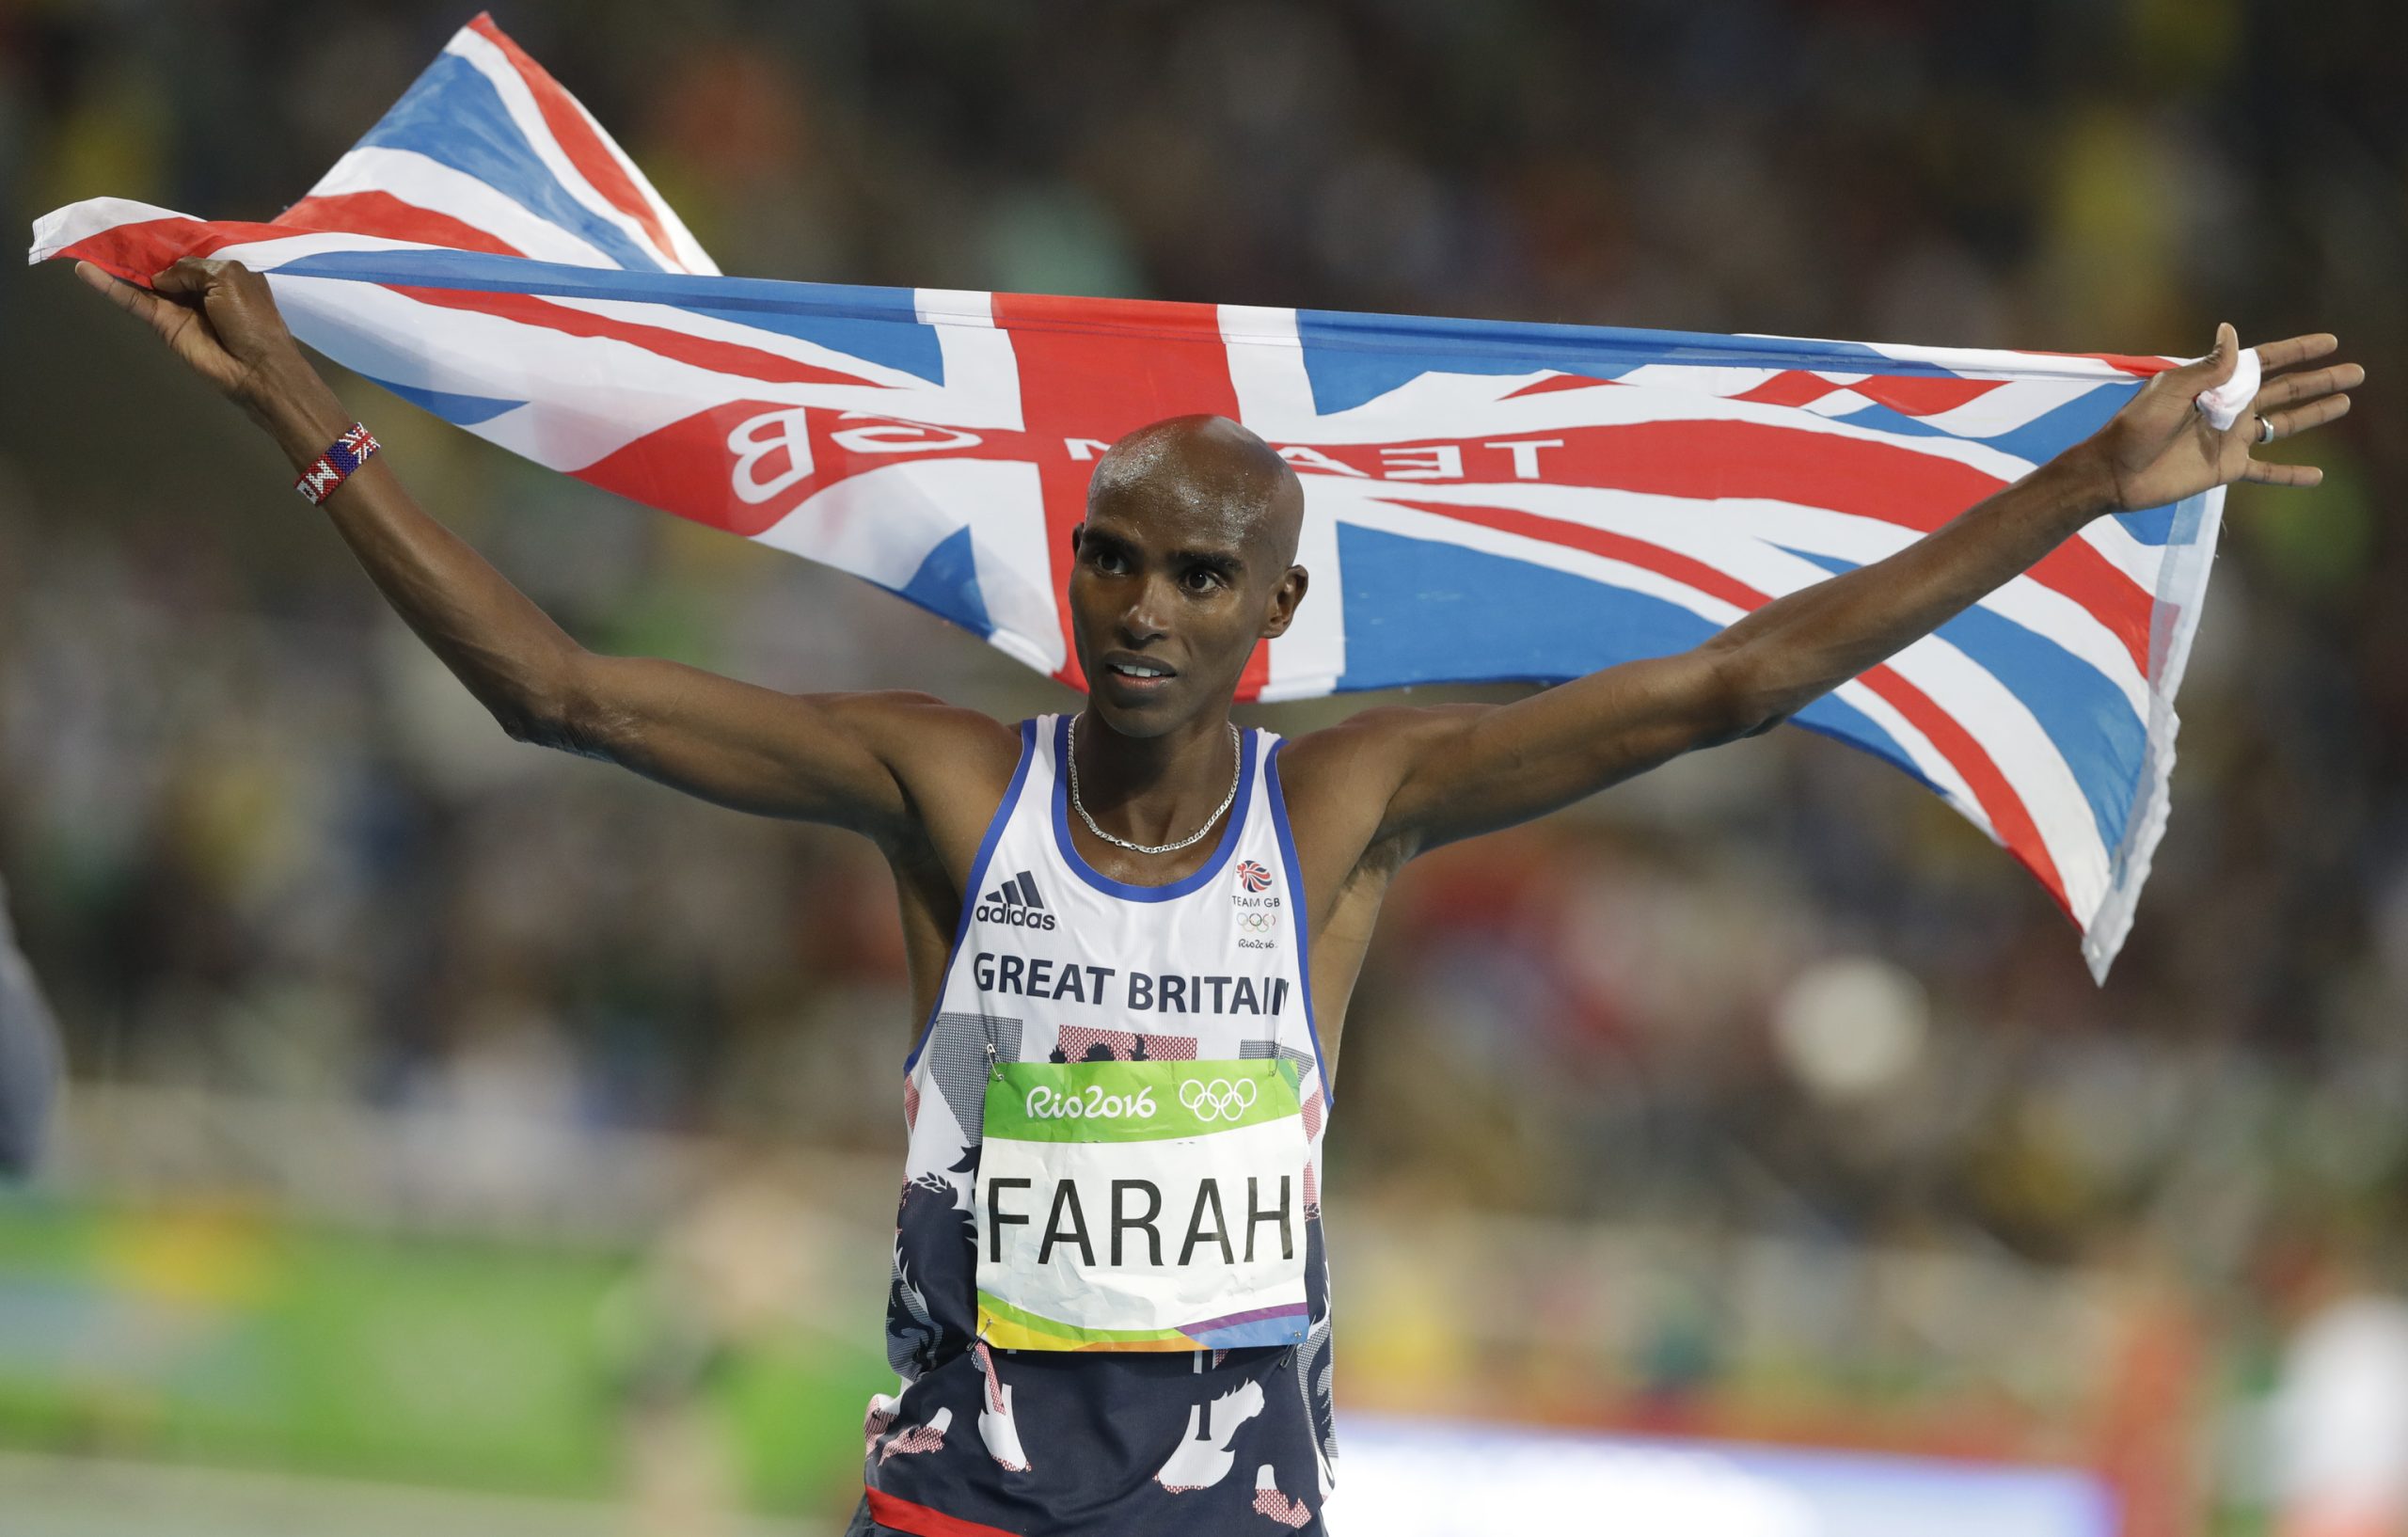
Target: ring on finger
{"x":2265,"y":430}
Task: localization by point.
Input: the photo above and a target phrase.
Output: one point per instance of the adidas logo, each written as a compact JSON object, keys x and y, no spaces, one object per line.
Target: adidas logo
{"x":1015,"y":902}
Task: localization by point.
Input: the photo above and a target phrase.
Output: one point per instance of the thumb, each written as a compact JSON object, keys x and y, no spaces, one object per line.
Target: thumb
{"x":2217,"y":366}
{"x":187,"y":278}
{"x":95,"y":277}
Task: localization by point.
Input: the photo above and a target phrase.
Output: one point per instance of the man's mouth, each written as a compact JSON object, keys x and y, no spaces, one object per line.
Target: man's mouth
{"x":1135,"y":676}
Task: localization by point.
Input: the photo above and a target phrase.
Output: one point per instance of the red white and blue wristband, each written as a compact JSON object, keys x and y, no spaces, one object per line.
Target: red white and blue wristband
{"x":335,"y":466}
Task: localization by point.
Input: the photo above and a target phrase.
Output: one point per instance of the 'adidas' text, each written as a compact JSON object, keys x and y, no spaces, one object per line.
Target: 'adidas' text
{"x":1015,"y":902}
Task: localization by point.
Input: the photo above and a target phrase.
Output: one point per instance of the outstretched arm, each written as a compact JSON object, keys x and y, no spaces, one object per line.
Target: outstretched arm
{"x":1454,"y":772}
{"x":838,"y":758}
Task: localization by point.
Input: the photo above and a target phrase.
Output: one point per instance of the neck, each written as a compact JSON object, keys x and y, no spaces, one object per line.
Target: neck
{"x":1153,"y":789}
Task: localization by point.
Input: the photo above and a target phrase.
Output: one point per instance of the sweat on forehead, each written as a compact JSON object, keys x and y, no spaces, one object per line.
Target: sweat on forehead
{"x":1207,"y":462}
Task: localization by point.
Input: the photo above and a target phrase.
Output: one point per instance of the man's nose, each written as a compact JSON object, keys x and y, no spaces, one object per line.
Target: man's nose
{"x":1142,"y":620}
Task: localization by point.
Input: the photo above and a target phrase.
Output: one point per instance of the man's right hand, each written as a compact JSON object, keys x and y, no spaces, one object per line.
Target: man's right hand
{"x":221,"y":319}
{"x":906,"y":769}
{"x":217,"y":316}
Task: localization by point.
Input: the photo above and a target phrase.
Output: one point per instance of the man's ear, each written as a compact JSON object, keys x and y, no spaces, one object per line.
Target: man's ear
{"x":1284,"y":599}
{"x":1076,"y":529}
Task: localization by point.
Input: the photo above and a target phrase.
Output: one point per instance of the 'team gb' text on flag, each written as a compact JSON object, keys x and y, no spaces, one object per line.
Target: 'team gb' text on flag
{"x":1484,"y":500}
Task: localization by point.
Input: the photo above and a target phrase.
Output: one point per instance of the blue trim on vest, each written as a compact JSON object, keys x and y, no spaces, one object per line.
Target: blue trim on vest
{"x":978,"y":878}
{"x":1121,"y":889}
{"x":1299,"y":916}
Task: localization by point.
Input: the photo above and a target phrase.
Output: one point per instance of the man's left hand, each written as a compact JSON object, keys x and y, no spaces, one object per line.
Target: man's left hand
{"x":2162,"y":448}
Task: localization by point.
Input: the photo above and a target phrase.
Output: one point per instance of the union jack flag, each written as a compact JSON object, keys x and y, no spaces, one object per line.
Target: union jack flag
{"x":1484,"y":500}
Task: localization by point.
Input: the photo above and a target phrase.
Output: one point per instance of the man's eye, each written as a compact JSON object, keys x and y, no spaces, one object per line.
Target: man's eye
{"x":1202,"y":580}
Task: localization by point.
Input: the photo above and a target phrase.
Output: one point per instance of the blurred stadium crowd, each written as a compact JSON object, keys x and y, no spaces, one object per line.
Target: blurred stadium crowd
{"x":257,"y":839}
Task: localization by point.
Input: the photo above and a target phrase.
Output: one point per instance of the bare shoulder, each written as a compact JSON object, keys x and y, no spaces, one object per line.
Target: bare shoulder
{"x":911,"y":729}
{"x":1340,"y":780}
{"x":940,"y":752}
{"x":949,"y":762}
{"x":1358,"y":752}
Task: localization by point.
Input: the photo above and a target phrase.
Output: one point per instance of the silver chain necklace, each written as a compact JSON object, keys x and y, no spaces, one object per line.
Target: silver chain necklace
{"x":1237,"y":751}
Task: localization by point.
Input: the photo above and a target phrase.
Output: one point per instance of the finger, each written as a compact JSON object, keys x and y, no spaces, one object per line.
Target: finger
{"x":2314,"y":414}
{"x":96,"y":279}
{"x":186,"y":277}
{"x":130,"y":298}
{"x":2293,"y":387}
{"x":2266,"y":472}
{"x":2292,"y":351}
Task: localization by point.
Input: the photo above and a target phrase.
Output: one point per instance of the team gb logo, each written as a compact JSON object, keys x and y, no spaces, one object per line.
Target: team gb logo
{"x":1253,"y":877}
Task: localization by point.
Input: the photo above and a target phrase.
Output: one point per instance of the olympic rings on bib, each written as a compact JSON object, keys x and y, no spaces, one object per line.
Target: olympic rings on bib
{"x":1217,"y":1099}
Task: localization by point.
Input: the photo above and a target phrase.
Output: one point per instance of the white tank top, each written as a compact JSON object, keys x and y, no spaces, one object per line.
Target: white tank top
{"x":1061,"y":959}
{"x":1054,"y":962}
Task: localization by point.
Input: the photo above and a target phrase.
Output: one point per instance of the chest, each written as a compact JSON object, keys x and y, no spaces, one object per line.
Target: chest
{"x":1253,"y":935}
{"x":1209,"y":965}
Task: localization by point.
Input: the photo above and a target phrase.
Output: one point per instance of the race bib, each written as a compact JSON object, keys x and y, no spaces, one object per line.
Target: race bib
{"x":1142,"y":1206}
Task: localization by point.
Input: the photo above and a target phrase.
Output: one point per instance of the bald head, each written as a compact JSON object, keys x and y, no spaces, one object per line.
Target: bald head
{"x":1208,"y":466}
{"x":1183,"y":565}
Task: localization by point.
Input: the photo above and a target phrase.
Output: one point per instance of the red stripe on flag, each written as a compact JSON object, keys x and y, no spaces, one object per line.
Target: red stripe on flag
{"x":693,"y":467}
{"x":1923,"y":395}
{"x":1117,"y":321}
{"x":701,"y":351}
{"x":1999,"y":802}
{"x":2130,"y":363}
{"x":1991,"y":788}
{"x":383,"y":214}
{"x":1843,"y":474}
{"x":140,"y":251}
{"x":1685,"y":569}
{"x":1099,"y":369}
{"x":1790,"y":387}
{"x":905,"y":1515}
{"x":1556,"y":382}
{"x":684,"y":467}
{"x":580,"y":141}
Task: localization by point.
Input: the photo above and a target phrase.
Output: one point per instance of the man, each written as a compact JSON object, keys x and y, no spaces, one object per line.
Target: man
{"x":1109,"y":1303}
{"x":28,"y":1057}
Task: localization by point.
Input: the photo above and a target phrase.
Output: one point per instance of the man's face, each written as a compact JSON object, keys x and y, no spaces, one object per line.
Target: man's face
{"x":1172,"y":585}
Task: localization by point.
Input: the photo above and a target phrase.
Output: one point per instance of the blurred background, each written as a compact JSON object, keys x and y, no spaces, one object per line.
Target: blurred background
{"x":464,"y":1137}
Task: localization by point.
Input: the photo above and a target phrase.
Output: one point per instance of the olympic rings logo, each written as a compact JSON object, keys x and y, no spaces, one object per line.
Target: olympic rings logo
{"x":1217,"y":1099}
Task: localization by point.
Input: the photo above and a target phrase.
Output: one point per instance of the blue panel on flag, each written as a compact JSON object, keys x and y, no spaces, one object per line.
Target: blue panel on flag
{"x":1833,"y":716}
{"x":894,"y":339}
{"x":1345,"y":377}
{"x":1351,"y":358}
{"x":2051,"y":433}
{"x":2086,"y":717}
{"x":452,"y":115}
{"x":2176,"y":525}
{"x":2040,"y":440}
{"x":2151,"y":526}
{"x":946,"y":584}
{"x":1417,"y":609}
{"x":460,"y":410}
{"x":878,"y":325}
